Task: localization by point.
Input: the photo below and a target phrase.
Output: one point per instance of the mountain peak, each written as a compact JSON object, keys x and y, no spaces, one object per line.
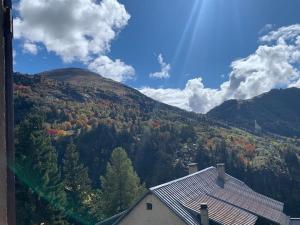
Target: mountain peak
{"x":71,"y":74}
{"x":81,"y":77}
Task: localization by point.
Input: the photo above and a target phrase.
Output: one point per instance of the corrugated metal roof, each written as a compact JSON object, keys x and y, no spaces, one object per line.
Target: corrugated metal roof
{"x":222,"y":212}
{"x":295,"y":221}
{"x":231,"y":202}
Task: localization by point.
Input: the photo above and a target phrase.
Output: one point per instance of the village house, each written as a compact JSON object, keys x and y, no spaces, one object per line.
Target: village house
{"x":209,"y":196}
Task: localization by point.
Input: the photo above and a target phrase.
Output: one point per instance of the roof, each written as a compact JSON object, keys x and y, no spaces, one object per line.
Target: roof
{"x":112,"y":220}
{"x":117,"y":218}
{"x":231,"y":202}
{"x":295,"y":221}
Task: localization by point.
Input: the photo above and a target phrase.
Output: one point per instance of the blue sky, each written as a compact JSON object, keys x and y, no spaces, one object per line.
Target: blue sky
{"x":226,"y":30}
{"x":195,"y":39}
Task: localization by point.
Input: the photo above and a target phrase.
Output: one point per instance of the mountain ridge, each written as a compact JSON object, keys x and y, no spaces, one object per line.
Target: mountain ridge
{"x":276,"y":112}
{"x":99,"y":114}
{"x":262,"y":110}
{"x":80,"y":76}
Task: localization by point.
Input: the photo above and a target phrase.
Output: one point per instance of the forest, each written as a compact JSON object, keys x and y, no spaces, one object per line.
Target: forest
{"x":81,"y":144}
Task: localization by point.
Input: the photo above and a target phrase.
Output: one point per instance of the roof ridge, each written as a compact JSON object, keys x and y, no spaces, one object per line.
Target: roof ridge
{"x":182,"y":178}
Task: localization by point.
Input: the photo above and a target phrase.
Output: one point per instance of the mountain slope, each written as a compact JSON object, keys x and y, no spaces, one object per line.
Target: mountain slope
{"x":101,"y":88}
{"x":277,"y":111}
{"x":99,"y":114}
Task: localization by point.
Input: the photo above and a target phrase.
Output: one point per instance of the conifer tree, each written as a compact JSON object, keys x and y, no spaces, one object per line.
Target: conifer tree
{"x":77,"y":183}
{"x":97,"y":206}
{"x":40,"y":192}
{"x":120,"y":185}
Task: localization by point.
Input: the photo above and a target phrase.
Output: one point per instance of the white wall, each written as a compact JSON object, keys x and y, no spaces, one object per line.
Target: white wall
{"x":159,"y":215}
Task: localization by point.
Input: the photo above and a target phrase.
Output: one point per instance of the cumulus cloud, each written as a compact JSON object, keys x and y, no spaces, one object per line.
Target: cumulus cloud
{"x":295,"y":84}
{"x":275,"y":64}
{"x":194,"y":97}
{"x":267,"y":28}
{"x":165,"y":69}
{"x":75,"y":30}
{"x":30,"y":48}
{"x":116,"y":70}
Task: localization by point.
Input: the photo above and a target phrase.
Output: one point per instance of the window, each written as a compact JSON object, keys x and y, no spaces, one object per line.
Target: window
{"x":149,"y":206}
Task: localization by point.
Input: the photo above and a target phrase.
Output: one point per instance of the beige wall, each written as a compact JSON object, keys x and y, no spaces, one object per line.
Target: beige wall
{"x":159,"y":215}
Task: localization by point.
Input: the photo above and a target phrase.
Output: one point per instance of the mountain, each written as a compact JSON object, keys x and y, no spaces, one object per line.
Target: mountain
{"x":277,"y":112}
{"x":98,"y":115}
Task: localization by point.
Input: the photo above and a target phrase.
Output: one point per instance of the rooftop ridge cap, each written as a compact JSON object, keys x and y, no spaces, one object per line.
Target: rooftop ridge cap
{"x":179,"y":179}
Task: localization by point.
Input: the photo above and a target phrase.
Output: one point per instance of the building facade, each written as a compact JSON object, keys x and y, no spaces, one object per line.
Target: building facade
{"x":210,"y":196}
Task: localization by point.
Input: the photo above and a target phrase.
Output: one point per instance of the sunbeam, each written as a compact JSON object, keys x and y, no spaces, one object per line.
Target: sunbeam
{"x":200,"y":24}
{"x":185,"y":33}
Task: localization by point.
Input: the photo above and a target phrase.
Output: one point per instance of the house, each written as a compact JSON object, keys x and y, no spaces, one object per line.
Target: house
{"x":295,"y":221}
{"x":209,"y":196}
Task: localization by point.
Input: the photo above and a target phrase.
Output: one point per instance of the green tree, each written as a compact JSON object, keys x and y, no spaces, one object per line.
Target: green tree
{"x":97,"y":205}
{"x":77,"y":183}
{"x":120,"y":185}
{"x":40,"y":192}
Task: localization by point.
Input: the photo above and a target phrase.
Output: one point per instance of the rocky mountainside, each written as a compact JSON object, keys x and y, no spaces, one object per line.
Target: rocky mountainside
{"x":99,"y":114}
{"x":277,"y":112}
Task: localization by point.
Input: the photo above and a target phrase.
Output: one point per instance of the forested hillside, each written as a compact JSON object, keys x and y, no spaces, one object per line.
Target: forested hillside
{"x":276,"y":112}
{"x":96,"y":115}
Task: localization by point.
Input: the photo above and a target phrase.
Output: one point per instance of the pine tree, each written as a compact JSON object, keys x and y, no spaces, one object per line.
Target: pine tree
{"x":97,"y":205}
{"x":77,"y":183}
{"x":40,"y":192}
{"x":120,"y":185}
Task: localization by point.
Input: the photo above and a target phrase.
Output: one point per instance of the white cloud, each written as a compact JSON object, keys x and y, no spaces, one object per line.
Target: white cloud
{"x":14,"y":57}
{"x":295,"y":84}
{"x":30,"y":48}
{"x":267,"y":28}
{"x":275,"y":63}
{"x":75,"y":30}
{"x":165,"y":69}
{"x":116,"y":70}
{"x":194,"y":97}
{"x":174,"y":97}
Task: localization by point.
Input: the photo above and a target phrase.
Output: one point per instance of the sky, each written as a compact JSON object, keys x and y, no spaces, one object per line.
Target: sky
{"x":193,"y":54}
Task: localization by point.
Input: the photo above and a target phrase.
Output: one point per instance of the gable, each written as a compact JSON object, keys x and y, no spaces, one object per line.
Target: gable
{"x":159,"y":214}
